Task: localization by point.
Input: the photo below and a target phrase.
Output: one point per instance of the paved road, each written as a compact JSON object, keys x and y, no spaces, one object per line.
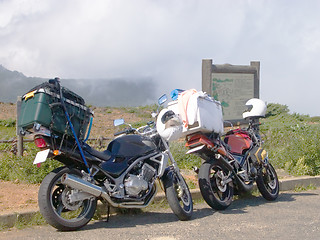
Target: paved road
{"x":292,"y":216}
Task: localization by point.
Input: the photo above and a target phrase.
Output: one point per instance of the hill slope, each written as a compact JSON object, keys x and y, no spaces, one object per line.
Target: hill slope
{"x":98,"y":92}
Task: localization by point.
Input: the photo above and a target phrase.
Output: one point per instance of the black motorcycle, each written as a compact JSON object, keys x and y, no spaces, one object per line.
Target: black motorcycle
{"x":124,"y":175}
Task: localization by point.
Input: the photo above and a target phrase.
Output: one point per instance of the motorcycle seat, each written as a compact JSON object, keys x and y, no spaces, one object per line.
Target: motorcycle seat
{"x":104,"y":155}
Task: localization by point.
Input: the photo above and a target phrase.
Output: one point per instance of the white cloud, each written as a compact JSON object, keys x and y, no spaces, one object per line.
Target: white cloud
{"x":166,"y":41}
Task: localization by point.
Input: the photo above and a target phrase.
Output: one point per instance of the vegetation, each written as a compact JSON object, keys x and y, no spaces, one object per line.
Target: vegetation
{"x":292,"y":140}
{"x":8,"y":123}
{"x":142,"y":112}
{"x":20,"y":169}
{"x":185,"y":161}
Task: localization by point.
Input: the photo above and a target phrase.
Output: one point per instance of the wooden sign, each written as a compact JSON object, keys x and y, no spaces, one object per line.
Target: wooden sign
{"x":232,"y":85}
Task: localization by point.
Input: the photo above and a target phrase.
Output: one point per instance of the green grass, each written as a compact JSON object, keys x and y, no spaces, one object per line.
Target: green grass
{"x":142,"y":112}
{"x":292,"y":141}
{"x":21,"y":169}
{"x":33,"y":220}
{"x":7,"y":132}
{"x":304,"y":188}
{"x":8,"y":122}
{"x":25,"y":221}
{"x":185,"y":161}
{"x":14,"y":168}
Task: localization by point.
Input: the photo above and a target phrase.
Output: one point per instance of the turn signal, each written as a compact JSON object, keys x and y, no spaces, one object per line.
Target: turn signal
{"x":56,"y":152}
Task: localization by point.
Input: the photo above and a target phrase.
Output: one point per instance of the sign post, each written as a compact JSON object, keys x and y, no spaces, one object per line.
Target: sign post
{"x":232,"y":85}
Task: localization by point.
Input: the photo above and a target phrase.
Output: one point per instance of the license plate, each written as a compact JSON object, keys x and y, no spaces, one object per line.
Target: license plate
{"x":41,"y":156}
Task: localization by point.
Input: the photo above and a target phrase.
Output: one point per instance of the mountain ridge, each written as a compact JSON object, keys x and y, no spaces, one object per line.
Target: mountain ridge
{"x":101,"y":92}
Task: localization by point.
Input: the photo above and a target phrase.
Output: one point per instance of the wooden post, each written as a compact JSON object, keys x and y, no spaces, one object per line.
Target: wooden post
{"x":207,"y":75}
{"x":19,"y":146}
{"x":19,"y":136}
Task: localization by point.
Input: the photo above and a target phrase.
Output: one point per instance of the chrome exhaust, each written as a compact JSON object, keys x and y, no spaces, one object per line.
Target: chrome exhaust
{"x":80,"y":184}
{"x":85,"y":186}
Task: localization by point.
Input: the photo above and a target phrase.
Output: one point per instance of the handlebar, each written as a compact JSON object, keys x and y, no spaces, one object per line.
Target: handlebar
{"x":143,"y":130}
{"x":120,"y":133}
{"x":126,"y":131}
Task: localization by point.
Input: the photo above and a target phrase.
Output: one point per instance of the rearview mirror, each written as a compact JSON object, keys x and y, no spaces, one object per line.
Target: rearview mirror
{"x":162,"y":99}
{"x":118,"y":122}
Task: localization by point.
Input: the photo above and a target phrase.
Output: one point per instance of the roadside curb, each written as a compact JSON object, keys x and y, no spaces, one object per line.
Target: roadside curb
{"x":305,"y":181}
{"x":9,"y":220}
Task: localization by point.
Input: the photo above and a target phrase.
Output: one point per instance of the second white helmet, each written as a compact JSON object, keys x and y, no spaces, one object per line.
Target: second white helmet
{"x":255,"y":108}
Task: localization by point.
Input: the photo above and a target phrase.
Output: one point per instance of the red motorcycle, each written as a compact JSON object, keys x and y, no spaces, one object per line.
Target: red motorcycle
{"x":233,"y":162}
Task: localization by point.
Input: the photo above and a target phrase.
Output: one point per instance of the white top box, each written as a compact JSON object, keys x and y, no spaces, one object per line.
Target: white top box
{"x":199,"y":113}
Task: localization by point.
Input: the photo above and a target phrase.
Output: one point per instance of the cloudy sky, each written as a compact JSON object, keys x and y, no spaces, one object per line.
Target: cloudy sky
{"x":166,"y":40}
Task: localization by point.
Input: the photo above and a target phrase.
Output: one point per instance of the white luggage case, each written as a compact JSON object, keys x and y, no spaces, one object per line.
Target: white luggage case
{"x":204,"y":114}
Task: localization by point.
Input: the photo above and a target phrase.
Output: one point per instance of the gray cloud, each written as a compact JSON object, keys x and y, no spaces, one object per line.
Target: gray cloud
{"x":165,"y":41}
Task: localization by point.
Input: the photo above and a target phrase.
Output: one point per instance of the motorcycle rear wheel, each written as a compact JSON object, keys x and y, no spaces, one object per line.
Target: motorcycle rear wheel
{"x":178,"y":195}
{"x":53,"y":198}
{"x":268,"y":183}
{"x":217,"y":194}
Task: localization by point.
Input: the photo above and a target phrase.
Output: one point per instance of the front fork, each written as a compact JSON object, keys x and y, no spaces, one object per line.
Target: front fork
{"x":173,"y":162}
{"x":174,"y":165}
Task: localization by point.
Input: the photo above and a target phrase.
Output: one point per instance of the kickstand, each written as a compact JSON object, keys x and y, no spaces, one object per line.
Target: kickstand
{"x":108,"y":213}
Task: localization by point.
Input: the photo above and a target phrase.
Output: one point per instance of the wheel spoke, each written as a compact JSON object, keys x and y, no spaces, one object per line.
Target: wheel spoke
{"x":218,"y":184}
{"x":220,"y":195}
{"x":181,"y":191}
{"x":59,"y":209}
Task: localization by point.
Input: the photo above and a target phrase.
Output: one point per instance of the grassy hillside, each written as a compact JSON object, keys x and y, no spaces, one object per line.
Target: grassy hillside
{"x":292,"y":141}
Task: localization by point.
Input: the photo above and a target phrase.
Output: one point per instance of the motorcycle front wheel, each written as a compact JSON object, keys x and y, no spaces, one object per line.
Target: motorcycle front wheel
{"x":54,"y":204}
{"x":178,"y":195}
{"x":268,"y":183}
{"x":215,"y":186}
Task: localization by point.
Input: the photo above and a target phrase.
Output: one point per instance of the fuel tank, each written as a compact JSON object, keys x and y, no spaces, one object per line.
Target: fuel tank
{"x":123,"y":149}
{"x":131,"y":145}
{"x":239,"y":142}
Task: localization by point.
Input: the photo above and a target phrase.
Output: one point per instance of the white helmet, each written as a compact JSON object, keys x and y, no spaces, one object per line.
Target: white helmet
{"x":169,"y":125}
{"x":256,"y":108}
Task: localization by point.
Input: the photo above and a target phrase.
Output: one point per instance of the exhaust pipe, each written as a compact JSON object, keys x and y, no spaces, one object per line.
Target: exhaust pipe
{"x":85,"y":186}
{"x":240,"y":183}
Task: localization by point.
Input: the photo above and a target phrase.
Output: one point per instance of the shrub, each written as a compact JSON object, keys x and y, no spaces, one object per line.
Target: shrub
{"x":274,"y":109}
{"x":185,"y":161}
{"x":14,"y":168}
{"x":8,"y":123}
{"x":292,"y":141}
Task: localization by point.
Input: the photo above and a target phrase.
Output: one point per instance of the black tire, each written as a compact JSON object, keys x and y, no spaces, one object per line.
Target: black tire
{"x":53,"y":209}
{"x":268,"y":183}
{"x":178,"y":195}
{"x":216,"y":194}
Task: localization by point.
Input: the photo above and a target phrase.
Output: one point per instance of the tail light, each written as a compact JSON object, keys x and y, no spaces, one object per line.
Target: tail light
{"x":198,"y":140}
{"x":40,"y":142}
